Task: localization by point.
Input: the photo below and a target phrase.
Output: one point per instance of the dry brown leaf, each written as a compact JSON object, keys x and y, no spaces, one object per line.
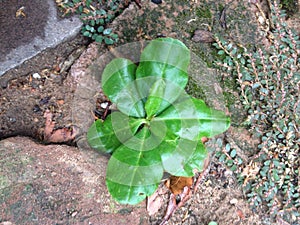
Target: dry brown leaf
{"x":177,"y":184}
{"x":250,"y":172}
{"x":59,"y":135}
{"x":182,"y":187}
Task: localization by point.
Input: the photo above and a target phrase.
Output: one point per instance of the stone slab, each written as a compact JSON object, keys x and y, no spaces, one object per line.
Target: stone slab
{"x":29,"y":27}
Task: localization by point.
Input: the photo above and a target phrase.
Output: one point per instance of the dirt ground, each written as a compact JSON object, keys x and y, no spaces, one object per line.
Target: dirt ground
{"x":65,"y":184}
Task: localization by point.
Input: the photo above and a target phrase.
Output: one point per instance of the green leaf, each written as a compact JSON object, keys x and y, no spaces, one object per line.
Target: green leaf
{"x":101,"y":12}
{"x":233,"y":153}
{"x":132,"y":195}
{"x":165,"y":58}
{"x":100,"y":29}
{"x":134,"y":173}
{"x":90,"y":28}
{"x":108,"y":41}
{"x":195,"y":161}
{"x":107,"y":31}
{"x":161,"y":95}
{"x":118,"y":83}
{"x":114,"y":36}
{"x":99,"y":38}
{"x":188,"y":155}
{"x":212,"y":223}
{"x":221,"y":52}
{"x":87,"y":34}
{"x":109,"y":135}
{"x":94,"y":36}
{"x":192,"y":119}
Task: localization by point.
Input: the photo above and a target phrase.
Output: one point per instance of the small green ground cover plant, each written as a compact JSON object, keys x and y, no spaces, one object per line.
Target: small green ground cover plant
{"x":158,"y":127}
{"x":269,"y":85}
{"x":96,"y":17}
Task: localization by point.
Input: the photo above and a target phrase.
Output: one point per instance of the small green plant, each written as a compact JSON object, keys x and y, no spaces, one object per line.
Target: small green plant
{"x":96,"y":16}
{"x":269,"y":82}
{"x":158,"y":127}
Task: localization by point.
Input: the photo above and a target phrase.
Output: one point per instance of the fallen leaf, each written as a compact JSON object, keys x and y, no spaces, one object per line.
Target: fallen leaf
{"x":177,"y":184}
{"x":182,"y":187}
{"x":57,"y":136}
{"x":250,"y":172}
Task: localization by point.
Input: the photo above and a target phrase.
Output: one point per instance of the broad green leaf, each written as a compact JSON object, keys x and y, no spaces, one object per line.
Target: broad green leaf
{"x":192,"y":119}
{"x":195,"y":162}
{"x":109,"y":135}
{"x":129,"y":195}
{"x":134,"y":170}
{"x":155,"y":99}
{"x":181,"y":157}
{"x":161,"y":95}
{"x":165,"y":58}
{"x":118,"y":83}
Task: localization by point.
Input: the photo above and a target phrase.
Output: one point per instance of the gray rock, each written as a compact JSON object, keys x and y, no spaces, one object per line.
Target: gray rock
{"x":38,"y":27}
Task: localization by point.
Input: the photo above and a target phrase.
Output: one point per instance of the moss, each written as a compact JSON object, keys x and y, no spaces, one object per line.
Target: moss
{"x":195,"y":90}
{"x":230,"y":86}
{"x":3,"y":181}
{"x":203,"y":12}
{"x":5,"y":193}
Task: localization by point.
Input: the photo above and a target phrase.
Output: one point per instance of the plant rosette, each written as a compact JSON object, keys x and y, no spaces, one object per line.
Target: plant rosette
{"x":158,"y":127}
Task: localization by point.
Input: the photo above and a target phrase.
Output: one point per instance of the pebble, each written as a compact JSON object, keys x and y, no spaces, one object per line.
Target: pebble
{"x":36,"y":76}
{"x":104,"y":105}
{"x":203,"y":36}
{"x":12,"y":120}
{"x":233,"y":201}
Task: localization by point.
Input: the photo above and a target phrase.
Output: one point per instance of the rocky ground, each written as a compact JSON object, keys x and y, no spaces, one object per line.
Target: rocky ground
{"x":51,"y":98}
